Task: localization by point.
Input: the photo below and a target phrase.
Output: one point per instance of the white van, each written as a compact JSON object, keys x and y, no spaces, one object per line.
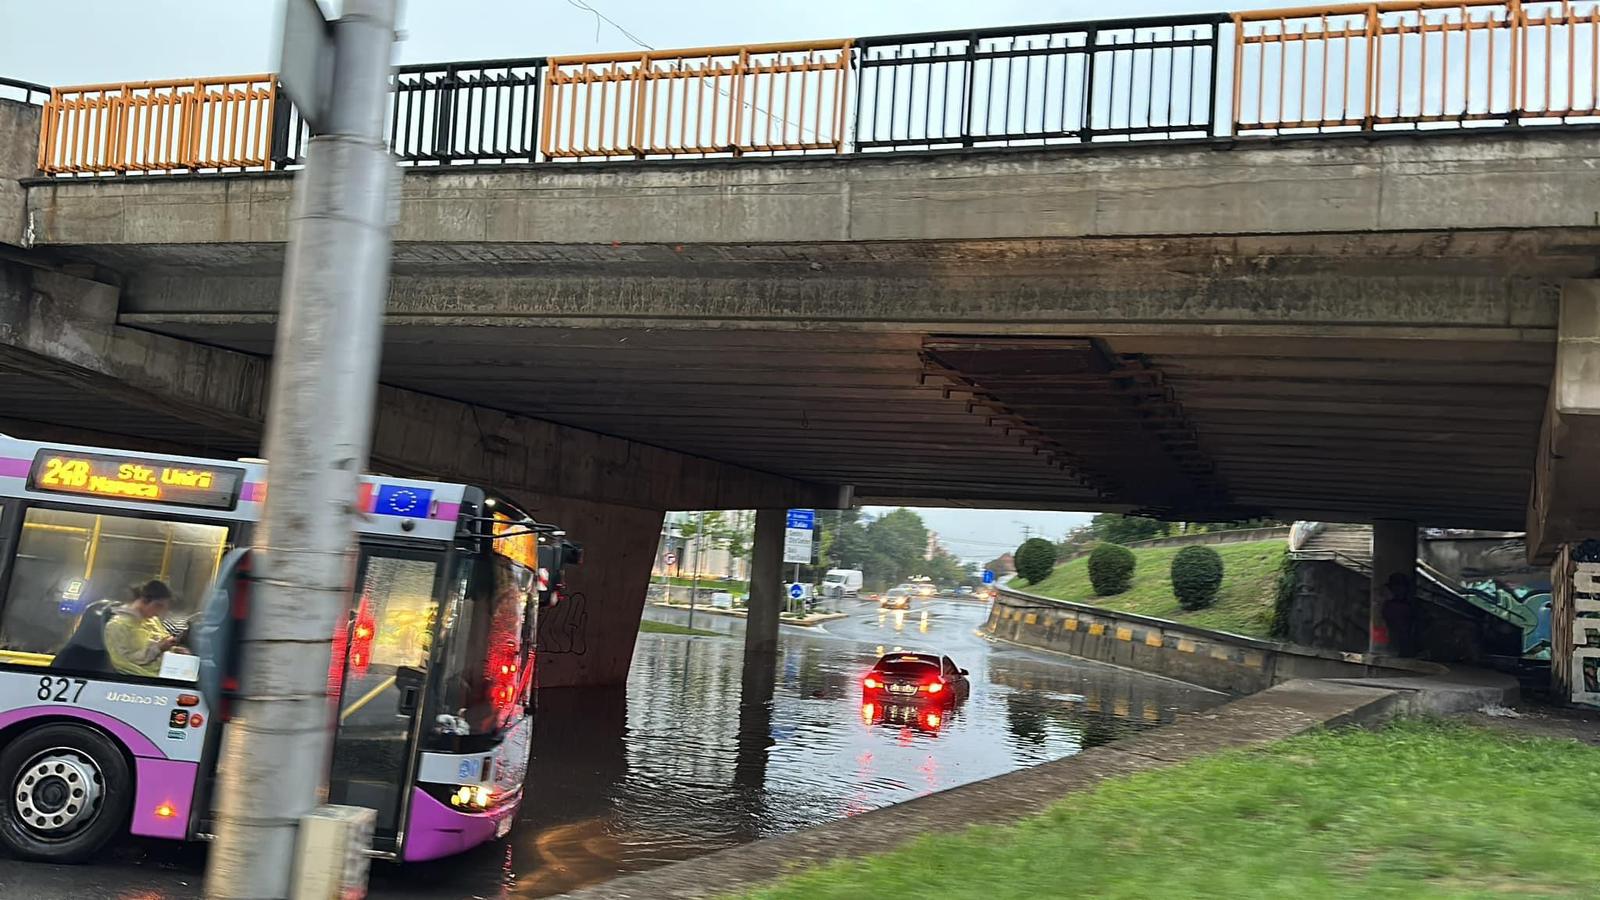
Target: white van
{"x":841,"y":583}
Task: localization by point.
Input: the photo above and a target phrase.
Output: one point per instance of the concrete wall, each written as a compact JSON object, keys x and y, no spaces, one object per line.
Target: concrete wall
{"x":1213,"y":659}
{"x":19,"y":159}
{"x":1460,"y":181}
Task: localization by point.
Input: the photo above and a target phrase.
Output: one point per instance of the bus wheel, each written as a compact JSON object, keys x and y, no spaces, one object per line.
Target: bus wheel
{"x":66,"y":791}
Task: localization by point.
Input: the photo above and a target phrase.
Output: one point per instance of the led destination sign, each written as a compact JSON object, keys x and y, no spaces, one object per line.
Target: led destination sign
{"x":135,"y":478}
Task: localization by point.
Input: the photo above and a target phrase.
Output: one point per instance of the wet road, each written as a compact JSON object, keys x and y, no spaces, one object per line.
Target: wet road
{"x":678,"y":766}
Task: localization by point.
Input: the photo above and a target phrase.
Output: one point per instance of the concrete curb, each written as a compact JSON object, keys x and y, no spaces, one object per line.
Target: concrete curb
{"x":1271,"y":715}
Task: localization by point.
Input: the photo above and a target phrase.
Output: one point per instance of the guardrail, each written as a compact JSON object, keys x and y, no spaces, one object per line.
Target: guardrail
{"x":24,"y":91}
{"x":1046,"y":84}
{"x":1375,"y":65}
{"x":1368,"y":67}
{"x":159,"y":126}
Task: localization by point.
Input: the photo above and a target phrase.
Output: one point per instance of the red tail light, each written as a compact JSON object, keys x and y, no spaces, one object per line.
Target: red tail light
{"x":934,"y":687}
{"x":870,"y":682}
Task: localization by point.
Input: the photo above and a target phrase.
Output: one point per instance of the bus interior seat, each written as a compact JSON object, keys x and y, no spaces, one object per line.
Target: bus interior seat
{"x":85,"y":650}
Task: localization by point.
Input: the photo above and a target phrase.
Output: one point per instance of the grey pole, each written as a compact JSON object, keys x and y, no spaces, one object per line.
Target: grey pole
{"x":699,"y":536}
{"x":276,"y":750}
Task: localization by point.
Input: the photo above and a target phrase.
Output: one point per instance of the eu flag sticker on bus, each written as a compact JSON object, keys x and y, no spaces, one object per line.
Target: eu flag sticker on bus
{"x":399,"y":500}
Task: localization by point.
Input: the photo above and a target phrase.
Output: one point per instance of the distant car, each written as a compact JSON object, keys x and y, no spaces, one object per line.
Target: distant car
{"x":897,"y":598}
{"x":964,"y":591}
{"x":915,"y":678}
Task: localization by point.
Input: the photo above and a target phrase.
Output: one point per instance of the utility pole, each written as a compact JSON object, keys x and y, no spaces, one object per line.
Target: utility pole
{"x":277,"y":748}
{"x":699,"y":549}
{"x":1027,"y":530}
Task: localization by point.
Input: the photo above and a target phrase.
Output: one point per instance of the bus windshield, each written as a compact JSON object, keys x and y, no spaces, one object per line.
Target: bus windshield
{"x":483,"y":685}
{"x":69,"y":563}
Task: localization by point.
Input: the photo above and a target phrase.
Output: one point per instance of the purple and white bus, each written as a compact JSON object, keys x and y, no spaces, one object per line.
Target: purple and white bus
{"x":434,"y":673}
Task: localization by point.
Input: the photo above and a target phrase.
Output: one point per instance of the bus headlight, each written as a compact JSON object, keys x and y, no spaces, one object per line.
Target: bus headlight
{"x":472,"y":797}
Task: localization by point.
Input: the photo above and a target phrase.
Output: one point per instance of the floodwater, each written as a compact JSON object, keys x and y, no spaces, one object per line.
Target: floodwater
{"x":697,"y":755}
{"x":677,"y":766}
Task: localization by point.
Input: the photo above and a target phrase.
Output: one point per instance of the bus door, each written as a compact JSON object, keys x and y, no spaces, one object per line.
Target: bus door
{"x":380,"y":669}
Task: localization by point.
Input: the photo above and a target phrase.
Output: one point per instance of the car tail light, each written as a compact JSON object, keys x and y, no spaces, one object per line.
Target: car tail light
{"x":870,"y":682}
{"x":935,"y":687}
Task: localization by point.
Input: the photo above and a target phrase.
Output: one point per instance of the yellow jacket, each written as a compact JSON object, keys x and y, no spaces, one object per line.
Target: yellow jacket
{"x":134,"y":643}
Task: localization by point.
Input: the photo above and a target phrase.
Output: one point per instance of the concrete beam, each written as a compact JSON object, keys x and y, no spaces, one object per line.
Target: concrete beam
{"x":1564,"y":503}
{"x":1532,"y":179}
{"x":63,"y":328}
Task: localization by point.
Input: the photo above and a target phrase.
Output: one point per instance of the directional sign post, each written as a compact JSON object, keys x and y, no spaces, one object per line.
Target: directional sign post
{"x":797,"y":533}
{"x":988,"y":576}
{"x":797,"y":591}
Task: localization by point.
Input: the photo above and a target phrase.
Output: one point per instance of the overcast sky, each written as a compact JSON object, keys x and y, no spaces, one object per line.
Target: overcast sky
{"x":91,"y":41}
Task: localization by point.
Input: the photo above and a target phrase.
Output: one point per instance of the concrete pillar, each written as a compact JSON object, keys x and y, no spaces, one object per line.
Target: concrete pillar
{"x":587,"y":639}
{"x":766,"y":585}
{"x":19,"y":158}
{"x":1564,"y":503}
{"x":1392,"y":609}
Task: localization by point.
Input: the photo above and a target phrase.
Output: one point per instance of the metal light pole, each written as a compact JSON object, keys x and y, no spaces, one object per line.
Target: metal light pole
{"x":699,"y":545}
{"x":276,"y":749}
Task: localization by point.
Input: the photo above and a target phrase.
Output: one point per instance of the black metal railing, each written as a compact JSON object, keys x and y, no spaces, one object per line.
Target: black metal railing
{"x":25,"y":91}
{"x":483,"y":111}
{"x":1063,"y":83}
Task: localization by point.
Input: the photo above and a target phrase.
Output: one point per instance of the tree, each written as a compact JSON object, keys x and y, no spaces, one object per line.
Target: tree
{"x":1196,"y":576}
{"x":1035,"y":559}
{"x":945,"y":569}
{"x":898,"y":540}
{"x":1117,"y":529}
{"x":1110,"y":569}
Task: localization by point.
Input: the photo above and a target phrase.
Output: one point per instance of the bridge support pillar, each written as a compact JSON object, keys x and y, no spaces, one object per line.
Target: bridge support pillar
{"x":1564,"y":503}
{"x":766,"y":586}
{"x":1392,"y":609}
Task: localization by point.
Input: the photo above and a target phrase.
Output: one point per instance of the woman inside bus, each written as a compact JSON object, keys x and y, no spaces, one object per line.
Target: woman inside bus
{"x":135,"y":638}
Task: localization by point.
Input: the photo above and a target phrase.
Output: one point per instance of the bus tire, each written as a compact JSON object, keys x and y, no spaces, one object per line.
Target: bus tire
{"x":65,"y":791}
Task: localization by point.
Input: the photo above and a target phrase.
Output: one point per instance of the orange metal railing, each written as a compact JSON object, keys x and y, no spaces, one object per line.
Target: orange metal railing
{"x":1383,"y":64}
{"x":762,"y":98}
{"x":152,"y":126}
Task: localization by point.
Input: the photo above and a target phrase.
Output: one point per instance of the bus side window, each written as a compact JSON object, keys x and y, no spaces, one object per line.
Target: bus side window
{"x":65,"y":561}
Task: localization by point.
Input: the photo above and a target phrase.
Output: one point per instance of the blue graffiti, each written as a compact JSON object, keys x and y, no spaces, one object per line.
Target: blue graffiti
{"x":1527,"y":605}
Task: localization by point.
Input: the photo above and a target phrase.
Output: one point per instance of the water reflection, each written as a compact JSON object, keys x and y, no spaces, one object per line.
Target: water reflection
{"x":702,"y":752}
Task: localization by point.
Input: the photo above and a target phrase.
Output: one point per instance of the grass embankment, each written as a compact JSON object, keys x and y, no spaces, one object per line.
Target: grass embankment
{"x":1417,"y":809}
{"x":707,"y":584}
{"x":648,"y":627}
{"x":1244,"y":603}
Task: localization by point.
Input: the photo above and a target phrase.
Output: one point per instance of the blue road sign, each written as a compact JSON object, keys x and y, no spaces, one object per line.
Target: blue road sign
{"x":988,"y":576}
{"x":796,"y":592}
{"x":802,"y":518}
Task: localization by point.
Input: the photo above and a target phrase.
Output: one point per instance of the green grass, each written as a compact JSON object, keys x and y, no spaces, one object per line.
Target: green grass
{"x":648,"y":627}
{"x":708,"y":584}
{"x":1244,"y":603}
{"x":1416,"y":809}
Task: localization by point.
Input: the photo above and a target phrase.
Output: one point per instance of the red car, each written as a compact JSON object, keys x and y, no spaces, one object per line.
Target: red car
{"x":915,"y":678}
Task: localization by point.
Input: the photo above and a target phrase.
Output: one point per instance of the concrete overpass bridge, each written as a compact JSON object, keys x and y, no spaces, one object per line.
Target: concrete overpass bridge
{"x":1000,"y":268}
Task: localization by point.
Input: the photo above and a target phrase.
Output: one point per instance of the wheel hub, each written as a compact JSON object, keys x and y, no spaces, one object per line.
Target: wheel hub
{"x":57,"y":792}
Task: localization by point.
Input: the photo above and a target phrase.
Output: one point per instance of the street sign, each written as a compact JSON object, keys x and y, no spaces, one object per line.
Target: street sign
{"x":305,"y":60}
{"x":796,"y":592}
{"x":670,"y":559}
{"x":988,"y":576}
{"x":797,"y":535}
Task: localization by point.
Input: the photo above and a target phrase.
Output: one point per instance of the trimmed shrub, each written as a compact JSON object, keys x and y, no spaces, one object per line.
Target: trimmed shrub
{"x":1110,"y":569}
{"x":1035,"y":559}
{"x":1196,"y":576}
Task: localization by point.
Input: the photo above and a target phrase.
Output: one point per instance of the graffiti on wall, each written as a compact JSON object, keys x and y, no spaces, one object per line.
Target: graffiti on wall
{"x":1585,"y":660}
{"x":1525,"y":605}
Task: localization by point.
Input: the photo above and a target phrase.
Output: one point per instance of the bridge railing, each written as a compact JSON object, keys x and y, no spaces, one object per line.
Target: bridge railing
{"x":1429,"y":64}
{"x":1415,"y":65}
{"x":765,"y":98}
{"x":1064,"y":83}
{"x":24,"y":91}
{"x":159,"y":126}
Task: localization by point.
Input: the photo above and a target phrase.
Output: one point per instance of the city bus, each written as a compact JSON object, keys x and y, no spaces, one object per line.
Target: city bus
{"x":434,"y":671}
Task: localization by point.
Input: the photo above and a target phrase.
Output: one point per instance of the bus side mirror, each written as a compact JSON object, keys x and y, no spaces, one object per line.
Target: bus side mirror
{"x":409,"y":680}
{"x":571,"y":554}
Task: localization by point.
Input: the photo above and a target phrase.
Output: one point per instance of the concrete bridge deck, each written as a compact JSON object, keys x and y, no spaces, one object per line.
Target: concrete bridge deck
{"x":1339,"y":328}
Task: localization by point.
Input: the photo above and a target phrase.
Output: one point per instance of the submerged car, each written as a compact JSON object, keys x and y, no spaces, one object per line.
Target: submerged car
{"x":915,"y":678}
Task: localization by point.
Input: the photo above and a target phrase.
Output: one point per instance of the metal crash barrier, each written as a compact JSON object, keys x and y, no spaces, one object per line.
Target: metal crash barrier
{"x":1366,"y":67}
